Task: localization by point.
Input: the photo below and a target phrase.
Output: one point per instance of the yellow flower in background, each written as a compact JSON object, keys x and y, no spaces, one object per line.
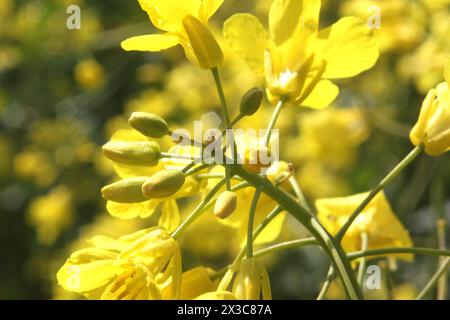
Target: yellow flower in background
{"x":140,"y":266}
{"x":433,"y":126}
{"x":331,"y":136}
{"x":51,"y":214}
{"x":251,"y":281}
{"x":36,"y":166}
{"x":377,"y":221}
{"x":424,"y":65}
{"x":297,"y":58}
{"x":185,"y":23}
{"x":402,"y":22}
{"x":89,"y":74}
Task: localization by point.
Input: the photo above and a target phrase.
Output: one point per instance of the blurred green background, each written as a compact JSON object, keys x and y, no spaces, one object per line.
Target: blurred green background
{"x":64,"y":92}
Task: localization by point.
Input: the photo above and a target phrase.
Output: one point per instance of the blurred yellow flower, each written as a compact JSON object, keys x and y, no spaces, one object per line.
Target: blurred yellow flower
{"x":433,"y":126}
{"x":51,"y":214}
{"x":402,"y":22}
{"x":377,"y":221}
{"x":35,"y":165}
{"x":89,"y":74}
{"x":185,"y":23}
{"x":136,"y":266}
{"x":296,"y":57}
{"x":332,"y":136}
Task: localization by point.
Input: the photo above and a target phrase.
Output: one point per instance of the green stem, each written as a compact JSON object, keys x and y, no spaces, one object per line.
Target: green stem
{"x":214,"y":176}
{"x":389,"y":177}
{"x":326,"y":286}
{"x":277,"y":210}
{"x":273,"y":121}
{"x":251,"y":220}
{"x":332,"y":248}
{"x":198,"y":210}
{"x":387,"y":251}
{"x":299,"y":193}
{"x":362,"y":263}
{"x":434,"y":279}
{"x":258,"y":231}
{"x":226,"y":116}
{"x":285,"y":245}
{"x":205,"y":206}
{"x":223,"y":101}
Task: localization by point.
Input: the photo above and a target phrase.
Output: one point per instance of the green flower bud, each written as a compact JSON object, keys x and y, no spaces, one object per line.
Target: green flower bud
{"x":163,"y":184}
{"x":206,"y":49}
{"x":149,"y":124}
{"x":225,"y":204}
{"x":251,"y":101}
{"x":125,"y":191}
{"x":139,"y":153}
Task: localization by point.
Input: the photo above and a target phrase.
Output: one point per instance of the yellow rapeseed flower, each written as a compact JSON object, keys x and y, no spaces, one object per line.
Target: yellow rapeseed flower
{"x":185,"y":23}
{"x":140,"y":265}
{"x":51,"y":214}
{"x":297,"y":58}
{"x":377,"y":221}
{"x":433,"y":126}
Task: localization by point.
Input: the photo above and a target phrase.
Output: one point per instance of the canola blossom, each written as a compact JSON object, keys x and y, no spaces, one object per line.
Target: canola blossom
{"x":255,"y":195}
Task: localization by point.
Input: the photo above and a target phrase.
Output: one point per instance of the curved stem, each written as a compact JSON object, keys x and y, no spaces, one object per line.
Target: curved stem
{"x":273,"y":121}
{"x":198,"y":210}
{"x":434,"y":279}
{"x":251,"y":220}
{"x":226,"y":116}
{"x":362,"y":263}
{"x":299,"y":193}
{"x":331,"y":247}
{"x":389,"y":177}
{"x":326,"y":286}
{"x":286,"y":245}
{"x":386,"y":251}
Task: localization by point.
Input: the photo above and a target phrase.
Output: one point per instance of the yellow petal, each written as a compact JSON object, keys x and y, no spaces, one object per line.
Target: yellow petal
{"x":195,"y":282}
{"x":286,"y":15}
{"x":247,"y":38}
{"x":150,"y":42}
{"x":322,"y":96}
{"x":348,"y":47}
{"x":87,"y":277}
{"x":132,"y":210}
{"x":272,"y":231}
{"x":168,"y":15}
{"x":209,"y":8}
{"x":170,"y":216}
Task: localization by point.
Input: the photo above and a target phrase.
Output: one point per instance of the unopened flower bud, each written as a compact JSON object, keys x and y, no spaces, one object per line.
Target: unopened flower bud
{"x":163,"y":184}
{"x":432,"y":128}
{"x":139,"y":153}
{"x":279,"y":171}
{"x":206,"y":49}
{"x":125,"y":191}
{"x":225,"y":204}
{"x":149,"y":124}
{"x":251,"y":101}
